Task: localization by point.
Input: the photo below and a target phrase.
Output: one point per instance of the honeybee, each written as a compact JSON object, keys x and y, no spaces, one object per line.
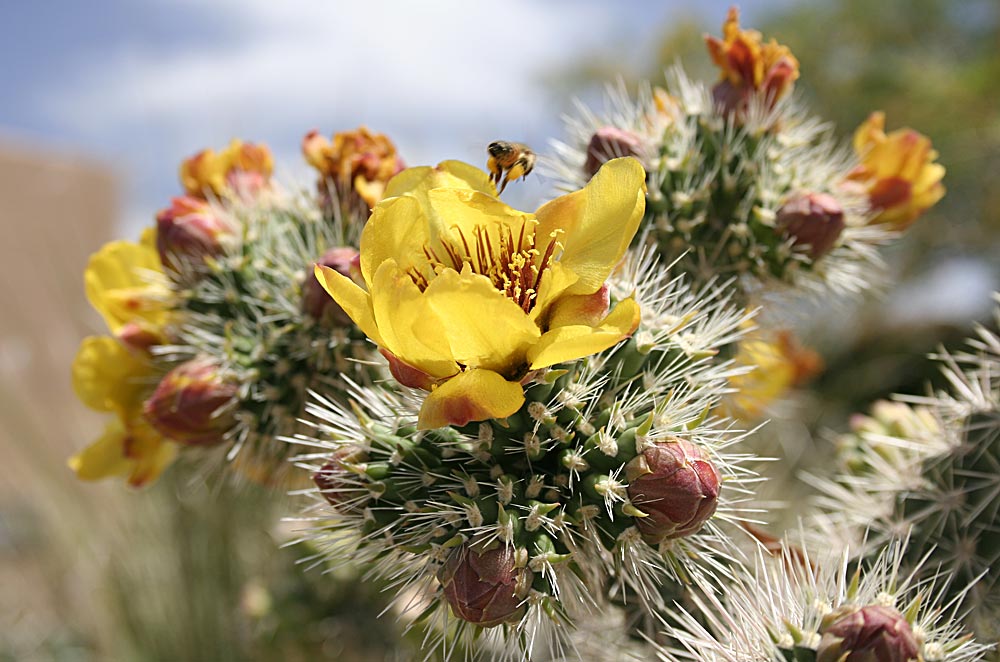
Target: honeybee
{"x":509,"y":160}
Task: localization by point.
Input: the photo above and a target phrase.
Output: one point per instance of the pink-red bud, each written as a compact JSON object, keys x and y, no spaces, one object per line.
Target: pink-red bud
{"x":191,"y":404}
{"x":867,"y":634}
{"x":337,"y":483}
{"x":608,"y":143}
{"x":813,"y":221}
{"x":190,"y":229}
{"x":676,"y":485}
{"x":485,"y":588}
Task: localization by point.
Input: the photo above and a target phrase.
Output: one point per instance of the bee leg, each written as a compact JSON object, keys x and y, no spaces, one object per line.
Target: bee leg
{"x":504,"y":185}
{"x":495,"y":171}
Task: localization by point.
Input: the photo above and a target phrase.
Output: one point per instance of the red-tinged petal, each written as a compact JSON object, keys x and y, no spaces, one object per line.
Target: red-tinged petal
{"x":473,"y":395}
{"x":406,"y":374}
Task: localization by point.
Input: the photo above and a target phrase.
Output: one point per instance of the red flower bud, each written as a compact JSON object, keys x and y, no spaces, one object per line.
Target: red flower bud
{"x":191,"y":404}
{"x":867,"y":634}
{"x":315,"y":300}
{"x":189,"y":229}
{"x":677,"y":487}
{"x":813,"y":221}
{"x":608,"y":143}
{"x":337,"y":483}
{"x":485,"y":588}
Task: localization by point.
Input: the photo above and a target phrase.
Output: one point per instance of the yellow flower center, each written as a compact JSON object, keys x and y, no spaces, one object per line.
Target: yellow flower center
{"x":514,"y":265}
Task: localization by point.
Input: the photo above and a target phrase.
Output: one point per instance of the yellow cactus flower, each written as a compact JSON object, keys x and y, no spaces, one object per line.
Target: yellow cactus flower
{"x":897,"y":171}
{"x":124,"y":282}
{"x":356,"y":161}
{"x":779,"y":363}
{"x":748,"y":65}
{"x":241,"y":169}
{"x":467,"y":297}
{"x":107,"y":377}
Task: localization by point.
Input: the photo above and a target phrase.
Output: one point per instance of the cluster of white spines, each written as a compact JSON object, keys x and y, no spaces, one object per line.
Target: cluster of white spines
{"x":777,"y":607}
{"x":928,"y":465}
{"x":244,"y":310}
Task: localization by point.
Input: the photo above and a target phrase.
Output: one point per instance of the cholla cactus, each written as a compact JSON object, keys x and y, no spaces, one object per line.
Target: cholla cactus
{"x":221,"y":329}
{"x":607,"y":479}
{"x":932,"y":467}
{"x":823,"y":609}
{"x":744,"y":182}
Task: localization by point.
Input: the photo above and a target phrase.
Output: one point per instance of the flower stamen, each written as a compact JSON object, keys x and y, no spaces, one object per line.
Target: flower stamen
{"x":515,"y":267}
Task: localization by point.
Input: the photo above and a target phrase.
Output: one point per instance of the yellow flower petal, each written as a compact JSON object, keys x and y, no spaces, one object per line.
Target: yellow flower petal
{"x":105,"y":457}
{"x":473,"y":395}
{"x":578,"y":309}
{"x":107,"y":377}
{"x":148,"y":239}
{"x":458,"y":214}
{"x":129,"y":448}
{"x":556,"y":280}
{"x":898,"y":172}
{"x":147,"y":470}
{"x":397,"y":230}
{"x":871,"y":131}
{"x":598,"y":221}
{"x":447,"y":174}
{"x":355,"y":301}
{"x":483,"y":328}
{"x":405,"y":222}
{"x":121,"y":284}
{"x":149,"y":451}
{"x":410,"y":328}
{"x":567,"y":343}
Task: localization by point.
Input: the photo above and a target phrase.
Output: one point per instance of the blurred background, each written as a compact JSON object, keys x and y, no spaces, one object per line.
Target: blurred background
{"x":102,"y":100}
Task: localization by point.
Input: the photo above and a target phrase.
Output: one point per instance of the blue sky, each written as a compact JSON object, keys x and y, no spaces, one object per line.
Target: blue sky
{"x":142,"y":84}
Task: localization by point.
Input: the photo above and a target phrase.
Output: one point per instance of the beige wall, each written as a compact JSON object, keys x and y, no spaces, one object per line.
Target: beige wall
{"x":55,"y":209}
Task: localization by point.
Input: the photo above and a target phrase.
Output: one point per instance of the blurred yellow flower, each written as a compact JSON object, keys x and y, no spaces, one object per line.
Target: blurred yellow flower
{"x":897,"y":171}
{"x":778,"y":364}
{"x":124,"y":282}
{"x":241,"y":169}
{"x":356,"y":161}
{"x":107,"y":377}
{"x":748,"y":65}
{"x":466,"y":296}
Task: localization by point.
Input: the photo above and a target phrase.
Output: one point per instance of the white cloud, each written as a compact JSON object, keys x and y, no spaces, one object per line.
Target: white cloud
{"x":403,"y":62}
{"x":441,"y":77}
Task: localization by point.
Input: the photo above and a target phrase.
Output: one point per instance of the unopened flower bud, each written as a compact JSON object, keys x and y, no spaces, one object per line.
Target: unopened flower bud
{"x":676,"y":485}
{"x":485,"y":588}
{"x":315,"y":300}
{"x":337,"y":483}
{"x":189,"y":230}
{"x":190,"y":404}
{"x":813,"y":221}
{"x":867,"y":634}
{"x":608,"y":143}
